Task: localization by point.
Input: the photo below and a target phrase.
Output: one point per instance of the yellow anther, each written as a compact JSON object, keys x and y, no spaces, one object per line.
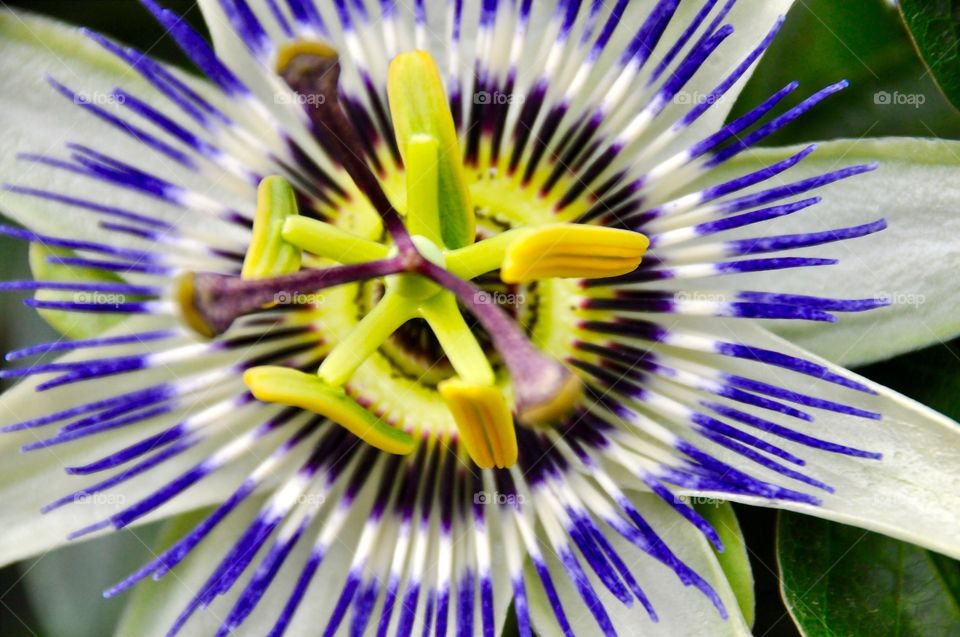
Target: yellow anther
{"x":573,"y":251}
{"x":484,"y":421}
{"x":185,"y":295}
{"x":328,"y":241}
{"x":269,"y":254}
{"x":419,"y":106}
{"x":289,"y":52}
{"x":292,"y":387}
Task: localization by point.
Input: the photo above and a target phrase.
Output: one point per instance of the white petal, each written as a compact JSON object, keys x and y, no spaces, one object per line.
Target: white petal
{"x":36,"y":119}
{"x":752,"y":21}
{"x":154,"y":606}
{"x":912,"y":493}
{"x":30,"y":480}
{"x":913,"y":262}
{"x":682,"y":611}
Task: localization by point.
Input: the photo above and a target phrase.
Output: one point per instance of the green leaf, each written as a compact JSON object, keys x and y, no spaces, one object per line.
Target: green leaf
{"x":734,"y":560}
{"x":864,"y":42}
{"x":70,"y":324}
{"x":935,"y":29}
{"x":840,"y":581}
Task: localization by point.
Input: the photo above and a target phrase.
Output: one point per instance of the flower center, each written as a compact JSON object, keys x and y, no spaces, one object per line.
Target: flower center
{"x":426,"y":263}
{"x":414,"y":287}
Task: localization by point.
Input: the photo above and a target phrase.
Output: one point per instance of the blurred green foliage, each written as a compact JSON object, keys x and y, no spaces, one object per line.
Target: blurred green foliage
{"x":935,"y":29}
{"x":865,"y":42}
{"x":842,"y":581}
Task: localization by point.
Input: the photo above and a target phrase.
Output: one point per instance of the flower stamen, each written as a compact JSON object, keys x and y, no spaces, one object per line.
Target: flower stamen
{"x":545,"y":389}
{"x":457,"y":340}
{"x":423,"y":187}
{"x":331,"y":242}
{"x":572,"y":251}
{"x":421,"y":112}
{"x":555,"y":251}
{"x":367,"y":336}
{"x":269,"y":253}
{"x":484,"y":422}
{"x":293,"y":387}
{"x":314,"y":72}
